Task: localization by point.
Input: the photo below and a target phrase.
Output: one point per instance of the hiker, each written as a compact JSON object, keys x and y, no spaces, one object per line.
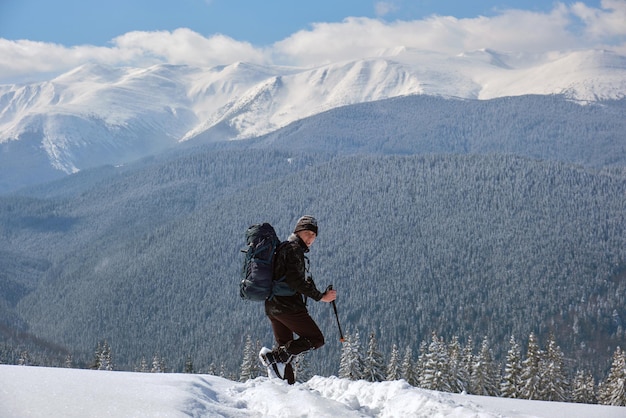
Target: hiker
{"x":288,"y":314}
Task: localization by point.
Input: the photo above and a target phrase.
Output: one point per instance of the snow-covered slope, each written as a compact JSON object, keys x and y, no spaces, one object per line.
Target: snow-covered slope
{"x":46,"y":392}
{"x":98,"y":115}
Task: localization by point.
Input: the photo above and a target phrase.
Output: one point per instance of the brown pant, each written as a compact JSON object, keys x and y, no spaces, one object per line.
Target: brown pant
{"x":309,"y":335}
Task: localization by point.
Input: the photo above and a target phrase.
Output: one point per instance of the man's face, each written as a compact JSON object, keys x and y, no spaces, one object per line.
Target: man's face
{"x":308,"y":237}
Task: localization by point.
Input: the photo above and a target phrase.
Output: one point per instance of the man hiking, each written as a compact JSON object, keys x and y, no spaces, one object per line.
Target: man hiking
{"x":288,"y":314}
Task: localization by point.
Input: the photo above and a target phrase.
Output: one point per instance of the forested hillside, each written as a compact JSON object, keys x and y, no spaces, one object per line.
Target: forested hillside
{"x":539,"y":127}
{"x":492,"y":245}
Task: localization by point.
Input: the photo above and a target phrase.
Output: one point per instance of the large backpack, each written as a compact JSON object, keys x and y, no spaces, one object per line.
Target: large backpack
{"x":257,"y":282}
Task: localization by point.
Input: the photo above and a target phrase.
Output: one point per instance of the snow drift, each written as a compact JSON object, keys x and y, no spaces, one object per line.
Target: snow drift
{"x":39,"y":392}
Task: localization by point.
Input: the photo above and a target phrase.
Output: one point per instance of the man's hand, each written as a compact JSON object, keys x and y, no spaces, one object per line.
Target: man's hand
{"x":329,"y":296}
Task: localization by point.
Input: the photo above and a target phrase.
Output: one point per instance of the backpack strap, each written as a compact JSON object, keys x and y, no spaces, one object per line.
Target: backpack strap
{"x":278,"y":288}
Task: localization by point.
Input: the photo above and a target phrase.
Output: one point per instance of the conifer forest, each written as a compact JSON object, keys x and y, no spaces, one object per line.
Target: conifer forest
{"x":475,"y":247}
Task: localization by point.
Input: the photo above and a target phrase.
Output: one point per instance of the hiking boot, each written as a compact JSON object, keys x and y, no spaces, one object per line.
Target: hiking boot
{"x":278,"y":355}
{"x":275,"y":368}
{"x":275,"y":360}
{"x":282,"y":355}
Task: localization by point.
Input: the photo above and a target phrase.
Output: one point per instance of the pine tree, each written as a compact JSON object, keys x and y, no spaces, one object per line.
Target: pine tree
{"x":97,"y":359}
{"x":407,"y":371}
{"x":69,"y":361}
{"x":511,"y":385}
{"x":613,"y":390}
{"x":484,"y":380}
{"x":105,"y":361}
{"x":554,"y":382}
{"x":103,"y":358}
{"x":458,"y":378}
{"x":259,"y":369}
{"x":212,"y":370}
{"x":435,"y":375}
{"x":223,"y":373}
{"x":301,"y":369}
{"x":24,"y":359}
{"x":352,"y":364}
{"x":248,"y":365}
{"x":467,"y":363}
{"x":157,"y":365}
{"x":531,"y":373}
{"x":189,"y":365}
{"x":393,"y":367}
{"x":421,"y":358}
{"x":143,"y":366}
{"x":374,"y":370}
{"x":584,"y":390}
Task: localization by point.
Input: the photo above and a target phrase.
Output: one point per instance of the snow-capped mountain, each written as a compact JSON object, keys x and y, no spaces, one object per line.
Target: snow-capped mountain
{"x":96,"y":115}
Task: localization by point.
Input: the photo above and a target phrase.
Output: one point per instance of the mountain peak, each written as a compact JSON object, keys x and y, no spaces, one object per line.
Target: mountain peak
{"x":113,"y":110}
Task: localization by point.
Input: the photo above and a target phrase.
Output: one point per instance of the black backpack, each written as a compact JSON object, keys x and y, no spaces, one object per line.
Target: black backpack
{"x":257,"y":282}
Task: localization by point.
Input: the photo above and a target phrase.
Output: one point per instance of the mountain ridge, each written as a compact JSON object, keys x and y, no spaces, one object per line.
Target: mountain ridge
{"x":95,"y":115}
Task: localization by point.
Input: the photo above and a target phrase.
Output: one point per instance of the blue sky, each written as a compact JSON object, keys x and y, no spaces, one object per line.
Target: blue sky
{"x":76,"y":22}
{"x":43,"y":37}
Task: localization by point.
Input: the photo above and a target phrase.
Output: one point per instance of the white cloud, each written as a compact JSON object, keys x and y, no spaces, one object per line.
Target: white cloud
{"x":512,"y":30}
{"x":563,"y":28}
{"x":24,"y":60}
{"x":383,"y":8}
{"x":603,"y":24}
{"x":184,"y":46}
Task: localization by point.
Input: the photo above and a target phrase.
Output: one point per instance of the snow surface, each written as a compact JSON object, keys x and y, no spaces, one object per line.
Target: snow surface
{"x":49,"y":392}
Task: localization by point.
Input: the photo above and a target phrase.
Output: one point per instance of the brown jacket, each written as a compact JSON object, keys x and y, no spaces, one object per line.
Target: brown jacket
{"x":290,"y":263}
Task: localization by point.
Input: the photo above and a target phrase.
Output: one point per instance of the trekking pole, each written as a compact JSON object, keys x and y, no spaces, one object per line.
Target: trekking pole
{"x":330,"y":287}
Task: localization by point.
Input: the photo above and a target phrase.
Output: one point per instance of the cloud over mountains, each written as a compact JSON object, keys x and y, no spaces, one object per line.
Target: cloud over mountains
{"x":564,"y":28}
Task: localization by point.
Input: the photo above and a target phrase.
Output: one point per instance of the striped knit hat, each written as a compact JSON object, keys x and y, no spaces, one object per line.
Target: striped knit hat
{"x":306,"y":223}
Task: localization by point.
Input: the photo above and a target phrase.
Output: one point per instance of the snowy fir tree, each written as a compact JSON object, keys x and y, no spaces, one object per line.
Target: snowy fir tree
{"x":212,"y":369}
{"x":467,"y":361}
{"x":96,"y":357}
{"x":188,"y":365}
{"x":613,"y":390}
{"x":458,"y":377}
{"x":407,"y":369}
{"x":554,"y":382}
{"x":24,"y":359}
{"x":435,"y":365}
{"x":374,"y":368}
{"x":108,"y":357}
{"x":301,"y":368}
{"x":351,"y":365}
{"x":226,"y":373}
{"x":393,"y":367}
{"x":511,"y":384}
{"x":584,"y":388}
{"x":249,"y":368}
{"x":158,"y":364}
{"x":485,"y":377}
{"x":143,"y":366}
{"x":531,"y":373}
{"x":103,"y":357}
{"x":421,"y":357}
{"x":69,"y":362}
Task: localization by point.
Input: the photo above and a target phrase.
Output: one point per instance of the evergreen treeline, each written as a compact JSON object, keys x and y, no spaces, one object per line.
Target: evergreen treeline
{"x":451,"y":367}
{"x":543,"y":127}
{"x":148,"y":259}
{"x":442,"y":366}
